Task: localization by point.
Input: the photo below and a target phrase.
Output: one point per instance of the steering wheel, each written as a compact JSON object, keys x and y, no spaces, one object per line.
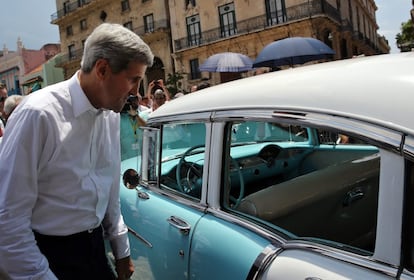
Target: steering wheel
{"x":236,"y":200}
{"x":194,"y":174}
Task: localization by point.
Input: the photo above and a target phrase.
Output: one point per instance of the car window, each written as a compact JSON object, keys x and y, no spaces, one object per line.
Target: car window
{"x":294,"y":184}
{"x":182,"y":158}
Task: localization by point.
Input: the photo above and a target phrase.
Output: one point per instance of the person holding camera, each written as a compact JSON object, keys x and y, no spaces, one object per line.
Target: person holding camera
{"x":157,"y":86}
{"x":130,"y":123}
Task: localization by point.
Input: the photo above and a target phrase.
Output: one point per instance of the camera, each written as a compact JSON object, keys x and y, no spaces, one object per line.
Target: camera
{"x":132,"y":103}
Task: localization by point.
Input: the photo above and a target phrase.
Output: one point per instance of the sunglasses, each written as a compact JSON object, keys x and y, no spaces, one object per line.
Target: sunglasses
{"x":2,"y":99}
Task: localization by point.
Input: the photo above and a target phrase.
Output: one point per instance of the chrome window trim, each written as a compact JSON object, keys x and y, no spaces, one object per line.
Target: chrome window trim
{"x":388,"y":137}
{"x":390,"y":208}
{"x":215,"y":165}
{"x":409,"y":146}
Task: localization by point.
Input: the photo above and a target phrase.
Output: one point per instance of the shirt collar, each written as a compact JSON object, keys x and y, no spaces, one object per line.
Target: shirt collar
{"x":80,"y":101}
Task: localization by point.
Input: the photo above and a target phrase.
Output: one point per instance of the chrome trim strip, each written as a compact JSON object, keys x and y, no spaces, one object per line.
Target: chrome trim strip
{"x":175,"y":195}
{"x":277,"y":241}
{"x":266,"y":234}
{"x":262,"y":262}
{"x":134,"y":233}
{"x":345,"y":256}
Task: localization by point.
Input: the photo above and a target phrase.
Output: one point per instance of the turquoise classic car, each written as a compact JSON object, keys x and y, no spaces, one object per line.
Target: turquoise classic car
{"x":305,"y":173}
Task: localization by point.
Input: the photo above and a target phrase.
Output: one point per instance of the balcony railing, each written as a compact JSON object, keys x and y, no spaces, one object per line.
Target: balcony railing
{"x":298,"y":12}
{"x":69,"y":8}
{"x":76,"y":55}
{"x":155,"y":27}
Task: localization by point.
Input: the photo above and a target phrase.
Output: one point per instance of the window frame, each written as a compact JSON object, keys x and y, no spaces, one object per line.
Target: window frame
{"x":69,"y":30}
{"x":193,"y":30}
{"x":83,"y":24}
{"x":125,"y":6}
{"x":149,"y":25}
{"x":228,"y":22}
{"x":275,"y":12}
{"x":194,"y":69}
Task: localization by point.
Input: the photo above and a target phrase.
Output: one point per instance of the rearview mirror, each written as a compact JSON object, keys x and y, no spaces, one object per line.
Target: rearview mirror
{"x":130,"y":179}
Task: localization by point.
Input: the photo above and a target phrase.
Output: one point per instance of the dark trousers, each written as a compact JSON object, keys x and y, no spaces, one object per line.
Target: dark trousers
{"x":78,"y":256}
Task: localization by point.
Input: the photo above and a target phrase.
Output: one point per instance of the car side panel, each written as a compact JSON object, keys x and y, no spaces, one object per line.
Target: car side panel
{"x":301,"y":264}
{"x":158,"y":249}
{"x":223,"y":250}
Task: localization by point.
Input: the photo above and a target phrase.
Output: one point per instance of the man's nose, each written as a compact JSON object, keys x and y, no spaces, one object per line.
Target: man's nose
{"x":134,"y":89}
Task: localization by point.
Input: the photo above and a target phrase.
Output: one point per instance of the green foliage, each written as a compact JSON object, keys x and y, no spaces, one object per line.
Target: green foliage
{"x":173,"y":83}
{"x":405,"y":39}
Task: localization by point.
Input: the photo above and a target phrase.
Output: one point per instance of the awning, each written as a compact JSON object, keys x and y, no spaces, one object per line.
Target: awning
{"x":33,"y":80}
{"x":36,"y":86}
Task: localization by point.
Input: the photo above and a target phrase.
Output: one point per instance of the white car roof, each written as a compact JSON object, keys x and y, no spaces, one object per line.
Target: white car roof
{"x":376,"y":88}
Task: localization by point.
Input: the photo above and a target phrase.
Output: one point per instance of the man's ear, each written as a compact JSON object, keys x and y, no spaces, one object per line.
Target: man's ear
{"x":102,"y":68}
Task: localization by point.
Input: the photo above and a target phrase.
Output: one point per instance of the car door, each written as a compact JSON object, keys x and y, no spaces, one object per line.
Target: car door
{"x":160,"y":215}
{"x":160,"y":233}
{"x":305,"y":209}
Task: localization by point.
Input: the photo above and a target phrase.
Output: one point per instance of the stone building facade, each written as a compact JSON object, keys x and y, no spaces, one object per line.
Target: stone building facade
{"x":149,"y":19}
{"x":183,"y":33}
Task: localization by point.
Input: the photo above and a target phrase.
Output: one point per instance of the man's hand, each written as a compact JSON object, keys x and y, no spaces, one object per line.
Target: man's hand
{"x":124,"y":268}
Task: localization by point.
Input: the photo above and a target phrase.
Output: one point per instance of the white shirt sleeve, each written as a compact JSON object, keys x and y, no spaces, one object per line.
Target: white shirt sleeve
{"x":19,"y":154}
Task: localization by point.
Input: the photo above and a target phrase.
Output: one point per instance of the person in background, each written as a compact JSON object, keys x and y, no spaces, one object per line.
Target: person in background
{"x":141,"y":105}
{"x":130,"y":133}
{"x":145,"y":102}
{"x":3,"y":96}
{"x":200,"y":86}
{"x":9,"y":105}
{"x":155,"y":85}
{"x":60,"y":167}
{"x":159,"y":99}
{"x":193,"y":88}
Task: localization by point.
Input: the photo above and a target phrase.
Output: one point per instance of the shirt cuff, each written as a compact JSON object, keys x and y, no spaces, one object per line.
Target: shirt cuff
{"x":120,"y":246}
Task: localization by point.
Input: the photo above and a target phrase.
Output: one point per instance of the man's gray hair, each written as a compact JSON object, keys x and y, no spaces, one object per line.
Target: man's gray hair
{"x":11,"y":102}
{"x":118,"y":45}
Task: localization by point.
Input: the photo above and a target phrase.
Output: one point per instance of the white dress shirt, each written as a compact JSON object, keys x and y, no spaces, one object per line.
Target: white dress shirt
{"x":59,"y":175}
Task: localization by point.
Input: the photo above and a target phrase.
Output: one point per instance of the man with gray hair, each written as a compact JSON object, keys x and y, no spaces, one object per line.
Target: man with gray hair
{"x":60,"y":167}
{"x":10,"y":104}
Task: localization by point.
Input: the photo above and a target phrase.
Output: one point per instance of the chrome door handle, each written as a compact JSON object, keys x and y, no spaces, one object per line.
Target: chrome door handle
{"x":352,"y":196}
{"x":182,"y":225}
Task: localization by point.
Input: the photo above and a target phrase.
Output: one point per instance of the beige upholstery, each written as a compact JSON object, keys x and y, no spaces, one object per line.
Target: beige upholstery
{"x":279,"y":200}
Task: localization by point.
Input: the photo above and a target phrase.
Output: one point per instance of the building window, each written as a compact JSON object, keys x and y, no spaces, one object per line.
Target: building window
{"x":128,"y":25}
{"x":66,"y":7}
{"x":193,"y":30}
{"x":188,"y":2}
{"x":194,"y":67}
{"x":125,"y":5}
{"x":71,"y":51}
{"x":83,"y":24}
{"x":69,"y":30}
{"x":81,"y":3}
{"x":275,"y":12}
{"x":227,"y":20}
{"x":149,"y":23}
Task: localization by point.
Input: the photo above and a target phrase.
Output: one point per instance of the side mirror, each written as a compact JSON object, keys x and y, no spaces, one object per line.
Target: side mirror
{"x":130,"y":179}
